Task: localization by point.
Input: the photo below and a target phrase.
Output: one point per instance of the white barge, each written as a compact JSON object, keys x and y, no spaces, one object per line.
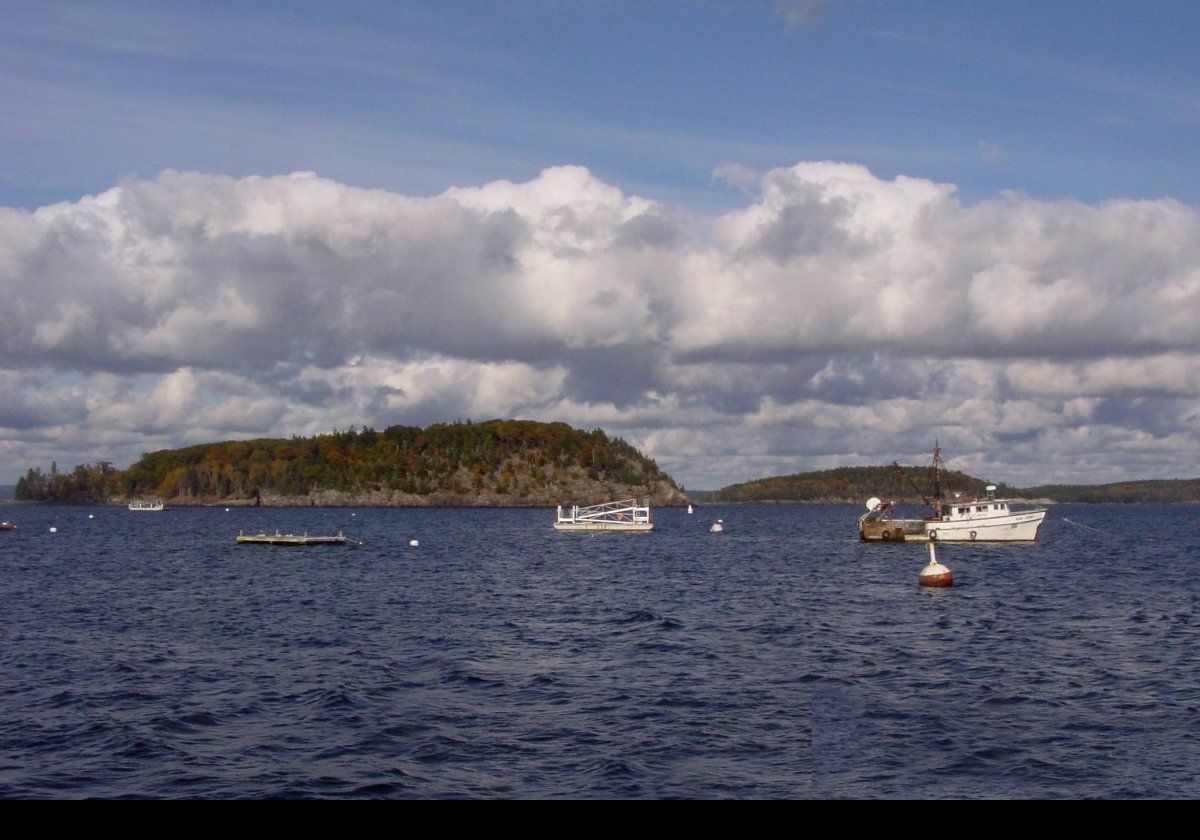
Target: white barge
{"x":625,"y":515}
{"x":146,"y":504}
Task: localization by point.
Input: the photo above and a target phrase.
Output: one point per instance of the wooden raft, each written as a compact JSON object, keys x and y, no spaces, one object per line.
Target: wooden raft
{"x":294,"y":539}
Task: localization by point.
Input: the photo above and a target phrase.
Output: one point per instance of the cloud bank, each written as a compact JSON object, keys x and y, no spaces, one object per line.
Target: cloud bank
{"x":836,"y":318}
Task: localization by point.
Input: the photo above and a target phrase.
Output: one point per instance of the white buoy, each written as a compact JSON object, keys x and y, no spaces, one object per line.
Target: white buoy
{"x":227,"y":510}
{"x":414,"y":543}
{"x":53,"y":530}
{"x":91,"y":516}
{"x":934,"y":573}
{"x":717,"y":527}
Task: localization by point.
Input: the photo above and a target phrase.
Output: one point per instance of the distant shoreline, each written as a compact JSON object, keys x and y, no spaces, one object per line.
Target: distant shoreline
{"x":241,"y":504}
{"x":544,"y":506}
{"x":857,"y":484}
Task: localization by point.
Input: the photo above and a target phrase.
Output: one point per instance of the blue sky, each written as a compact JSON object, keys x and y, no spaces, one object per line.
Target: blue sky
{"x":750,"y":238}
{"x":1089,"y":100}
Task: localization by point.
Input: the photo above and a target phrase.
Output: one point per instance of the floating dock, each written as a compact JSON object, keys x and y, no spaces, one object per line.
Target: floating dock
{"x":294,"y":539}
{"x":626,"y":515}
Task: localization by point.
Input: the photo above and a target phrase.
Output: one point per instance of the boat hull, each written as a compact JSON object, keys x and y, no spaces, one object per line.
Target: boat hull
{"x":289,"y":539}
{"x":603,"y":526}
{"x":1016,"y":527}
{"x":893,"y":530}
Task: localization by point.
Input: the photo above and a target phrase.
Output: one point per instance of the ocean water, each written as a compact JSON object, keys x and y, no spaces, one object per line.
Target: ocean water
{"x":147,"y":655}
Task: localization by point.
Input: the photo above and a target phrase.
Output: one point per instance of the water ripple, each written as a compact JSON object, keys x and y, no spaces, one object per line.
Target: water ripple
{"x":148,"y":656}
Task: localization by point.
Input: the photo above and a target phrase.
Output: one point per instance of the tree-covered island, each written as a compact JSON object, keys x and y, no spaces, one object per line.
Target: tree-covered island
{"x":496,"y":463}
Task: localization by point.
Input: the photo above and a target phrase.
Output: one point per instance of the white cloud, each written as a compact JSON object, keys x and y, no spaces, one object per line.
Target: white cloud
{"x":836,"y":315}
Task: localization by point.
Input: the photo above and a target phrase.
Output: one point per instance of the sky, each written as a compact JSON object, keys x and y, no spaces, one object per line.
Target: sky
{"x":751,"y":238}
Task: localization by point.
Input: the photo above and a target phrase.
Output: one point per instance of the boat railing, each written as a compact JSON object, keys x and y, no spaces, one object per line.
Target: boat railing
{"x":625,"y":510}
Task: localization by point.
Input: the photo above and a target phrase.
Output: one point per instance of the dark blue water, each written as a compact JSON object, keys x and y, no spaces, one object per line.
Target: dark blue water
{"x":146,"y":655}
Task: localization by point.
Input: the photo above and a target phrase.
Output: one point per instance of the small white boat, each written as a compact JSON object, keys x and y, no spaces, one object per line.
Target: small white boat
{"x":625,"y":515}
{"x":146,"y":504}
{"x":690,"y":509}
{"x":717,"y":527}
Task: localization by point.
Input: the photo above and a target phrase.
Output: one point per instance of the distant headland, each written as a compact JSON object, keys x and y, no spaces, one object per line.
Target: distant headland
{"x":855,"y":484}
{"x":498,"y":463}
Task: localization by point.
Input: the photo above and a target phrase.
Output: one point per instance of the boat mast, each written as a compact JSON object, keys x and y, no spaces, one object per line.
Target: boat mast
{"x":937,"y":479}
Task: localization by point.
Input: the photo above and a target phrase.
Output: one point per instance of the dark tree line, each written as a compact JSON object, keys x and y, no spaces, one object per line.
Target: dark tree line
{"x":850,"y":483}
{"x":87,"y":483}
{"x":1126,"y":492}
{"x":859,"y":483}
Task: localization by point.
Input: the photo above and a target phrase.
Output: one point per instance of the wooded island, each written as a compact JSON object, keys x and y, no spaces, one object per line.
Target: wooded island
{"x":495,"y":463}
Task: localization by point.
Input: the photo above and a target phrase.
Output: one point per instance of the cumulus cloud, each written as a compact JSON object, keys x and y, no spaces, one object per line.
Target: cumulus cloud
{"x":836,"y":317}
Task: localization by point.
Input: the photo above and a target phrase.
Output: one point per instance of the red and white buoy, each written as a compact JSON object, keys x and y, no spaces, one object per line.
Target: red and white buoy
{"x":934,"y":573}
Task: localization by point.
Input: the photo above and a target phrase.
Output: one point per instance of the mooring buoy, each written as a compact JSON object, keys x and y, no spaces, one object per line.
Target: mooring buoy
{"x":934,"y":573}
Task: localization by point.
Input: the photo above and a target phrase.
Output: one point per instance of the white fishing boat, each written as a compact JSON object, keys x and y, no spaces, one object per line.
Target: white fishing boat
{"x":985,"y":520}
{"x":625,"y":515}
{"x":978,"y":519}
{"x":146,"y":504}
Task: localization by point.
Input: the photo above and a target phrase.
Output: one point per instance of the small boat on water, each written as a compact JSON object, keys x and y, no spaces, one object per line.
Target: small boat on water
{"x":625,"y":515}
{"x":146,"y":504}
{"x":293,"y":539}
{"x":7,"y":526}
{"x":986,"y":519}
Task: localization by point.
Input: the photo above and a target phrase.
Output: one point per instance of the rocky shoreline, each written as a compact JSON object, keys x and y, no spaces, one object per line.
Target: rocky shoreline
{"x":595,"y":493}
